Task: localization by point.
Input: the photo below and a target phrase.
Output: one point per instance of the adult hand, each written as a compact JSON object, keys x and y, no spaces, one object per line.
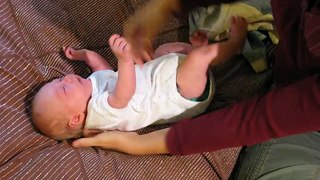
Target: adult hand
{"x":141,"y":28}
{"x":141,"y":43}
{"x":112,"y":140}
{"x":127,"y":142}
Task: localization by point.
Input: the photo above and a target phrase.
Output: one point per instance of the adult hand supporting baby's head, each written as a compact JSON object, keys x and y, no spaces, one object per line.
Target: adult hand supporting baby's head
{"x":128,"y":142}
{"x":112,"y":140}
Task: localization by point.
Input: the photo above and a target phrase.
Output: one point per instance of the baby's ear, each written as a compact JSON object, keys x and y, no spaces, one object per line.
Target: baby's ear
{"x":76,"y":121}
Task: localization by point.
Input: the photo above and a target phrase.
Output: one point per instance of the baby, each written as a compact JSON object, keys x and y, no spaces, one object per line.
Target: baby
{"x":166,"y":89}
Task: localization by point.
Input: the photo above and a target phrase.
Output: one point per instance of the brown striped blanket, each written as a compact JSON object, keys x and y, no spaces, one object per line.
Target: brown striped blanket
{"x":32,"y":33}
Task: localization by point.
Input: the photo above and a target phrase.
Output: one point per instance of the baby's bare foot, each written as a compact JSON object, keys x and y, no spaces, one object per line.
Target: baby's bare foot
{"x":199,"y":38}
{"x":74,"y":54}
{"x":238,"y":31}
{"x":121,"y":48}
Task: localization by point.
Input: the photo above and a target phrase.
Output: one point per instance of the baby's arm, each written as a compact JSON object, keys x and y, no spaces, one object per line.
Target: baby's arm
{"x":126,"y":83}
{"x":92,"y":59}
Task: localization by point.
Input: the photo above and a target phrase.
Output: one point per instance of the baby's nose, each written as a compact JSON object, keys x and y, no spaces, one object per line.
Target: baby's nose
{"x":67,"y":78}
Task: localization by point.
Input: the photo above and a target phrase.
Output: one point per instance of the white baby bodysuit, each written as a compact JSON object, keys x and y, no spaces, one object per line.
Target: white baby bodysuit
{"x":156,"y":98}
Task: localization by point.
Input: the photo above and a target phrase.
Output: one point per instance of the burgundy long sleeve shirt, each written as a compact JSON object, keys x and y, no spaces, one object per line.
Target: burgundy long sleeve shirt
{"x":292,"y":107}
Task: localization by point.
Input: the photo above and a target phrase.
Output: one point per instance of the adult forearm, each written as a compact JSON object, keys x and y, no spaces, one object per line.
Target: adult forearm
{"x":151,"y":143}
{"x":284,"y":111}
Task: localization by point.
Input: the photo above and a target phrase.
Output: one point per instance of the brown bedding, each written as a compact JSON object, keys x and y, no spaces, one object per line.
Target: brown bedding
{"x":32,"y":33}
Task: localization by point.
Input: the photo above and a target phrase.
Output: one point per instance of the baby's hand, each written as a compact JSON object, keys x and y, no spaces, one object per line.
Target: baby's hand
{"x":72,"y":54}
{"x":121,"y":48}
{"x":94,"y":60}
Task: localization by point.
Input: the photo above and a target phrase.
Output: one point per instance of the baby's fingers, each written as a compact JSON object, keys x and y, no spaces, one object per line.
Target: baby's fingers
{"x":68,"y":52}
{"x":112,"y":39}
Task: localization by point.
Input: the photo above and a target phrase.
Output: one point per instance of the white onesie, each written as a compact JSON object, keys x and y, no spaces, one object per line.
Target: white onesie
{"x":156,"y":98}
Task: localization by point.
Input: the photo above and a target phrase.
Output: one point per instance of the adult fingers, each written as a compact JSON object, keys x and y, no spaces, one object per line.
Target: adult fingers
{"x":147,"y":54}
{"x":85,"y":142}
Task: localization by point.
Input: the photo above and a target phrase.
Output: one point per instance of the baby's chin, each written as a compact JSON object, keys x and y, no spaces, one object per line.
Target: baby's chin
{"x":87,"y":83}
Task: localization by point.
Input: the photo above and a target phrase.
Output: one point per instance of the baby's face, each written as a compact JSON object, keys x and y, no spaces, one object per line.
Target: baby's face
{"x":70,"y":94}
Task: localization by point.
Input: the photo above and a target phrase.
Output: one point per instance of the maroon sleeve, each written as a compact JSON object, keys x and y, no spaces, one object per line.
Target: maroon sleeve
{"x":283,"y":111}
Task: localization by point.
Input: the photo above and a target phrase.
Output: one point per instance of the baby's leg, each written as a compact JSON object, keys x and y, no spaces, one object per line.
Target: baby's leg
{"x":173,"y":47}
{"x":93,"y":59}
{"x":192,"y":73}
